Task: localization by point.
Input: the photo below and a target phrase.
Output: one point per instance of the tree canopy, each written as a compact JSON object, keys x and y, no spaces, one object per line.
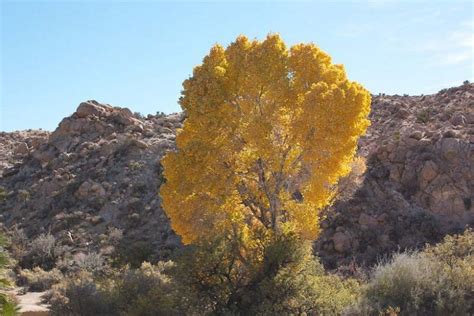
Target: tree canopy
{"x":269,"y":131}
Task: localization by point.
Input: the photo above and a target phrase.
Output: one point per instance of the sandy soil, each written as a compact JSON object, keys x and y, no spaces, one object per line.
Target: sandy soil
{"x":30,"y":303}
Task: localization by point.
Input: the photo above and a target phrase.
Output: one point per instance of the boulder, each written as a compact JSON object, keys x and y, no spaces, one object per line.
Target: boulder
{"x":367,"y":220}
{"x":449,"y":148}
{"x":342,"y":242}
{"x":429,"y":171}
{"x":21,"y":149}
{"x":458,"y":119}
{"x":89,"y":108}
{"x":90,"y":189}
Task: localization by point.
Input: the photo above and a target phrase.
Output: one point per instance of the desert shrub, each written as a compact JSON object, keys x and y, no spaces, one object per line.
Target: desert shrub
{"x":8,"y":306}
{"x":437,"y":281}
{"x":114,"y":236}
{"x":24,"y":195}
{"x":332,"y":294}
{"x":288,"y":280}
{"x":423,"y":116}
{"x":299,"y":283}
{"x":143,"y":291}
{"x":454,"y":249}
{"x":133,"y":253}
{"x":402,"y":282}
{"x":38,"y":280}
{"x":206,"y":280}
{"x":43,"y":251}
{"x":19,"y":243}
{"x":455,"y":262}
{"x":66,"y":263}
{"x":91,"y":262}
{"x":78,"y":295}
{"x":136,"y":165}
{"x":3,"y":193}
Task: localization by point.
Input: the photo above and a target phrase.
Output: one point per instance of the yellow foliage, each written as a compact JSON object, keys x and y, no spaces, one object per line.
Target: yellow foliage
{"x":268,"y":133}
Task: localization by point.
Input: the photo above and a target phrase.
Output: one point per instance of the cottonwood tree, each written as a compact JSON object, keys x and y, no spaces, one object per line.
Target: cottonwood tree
{"x":268,"y":133}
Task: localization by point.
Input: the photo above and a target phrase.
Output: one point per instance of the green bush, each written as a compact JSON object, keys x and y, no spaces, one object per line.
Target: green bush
{"x":423,"y":116}
{"x":298,"y":283}
{"x":454,"y":249}
{"x":38,"y":280}
{"x":143,"y":291}
{"x":43,"y":251}
{"x":437,"y":281}
{"x":8,"y":306}
{"x":215,"y":279}
{"x":18,"y":243}
{"x":133,"y":253}
{"x":210,"y":279}
{"x":78,"y":295}
{"x":92,"y":262}
{"x":3,"y":194}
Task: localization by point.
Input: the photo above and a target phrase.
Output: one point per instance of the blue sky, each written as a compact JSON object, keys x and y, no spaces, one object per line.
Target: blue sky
{"x":136,"y":54}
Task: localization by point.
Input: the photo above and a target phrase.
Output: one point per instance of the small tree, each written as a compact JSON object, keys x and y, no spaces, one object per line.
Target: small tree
{"x":268,"y":133}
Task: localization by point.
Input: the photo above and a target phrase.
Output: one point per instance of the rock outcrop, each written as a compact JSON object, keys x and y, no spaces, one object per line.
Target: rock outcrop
{"x":100,"y":170}
{"x":419,"y":182}
{"x":16,"y":146}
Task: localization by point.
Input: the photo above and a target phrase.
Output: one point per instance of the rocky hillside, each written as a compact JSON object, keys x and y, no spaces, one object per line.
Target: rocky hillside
{"x":99,"y":173}
{"x":419,"y":181}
